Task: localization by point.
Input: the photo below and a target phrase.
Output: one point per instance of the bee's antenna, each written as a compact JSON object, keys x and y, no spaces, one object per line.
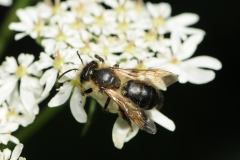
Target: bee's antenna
{"x":80,"y":57}
{"x":66,"y":72}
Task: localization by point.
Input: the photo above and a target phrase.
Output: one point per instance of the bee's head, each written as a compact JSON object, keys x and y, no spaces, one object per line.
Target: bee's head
{"x":87,"y":71}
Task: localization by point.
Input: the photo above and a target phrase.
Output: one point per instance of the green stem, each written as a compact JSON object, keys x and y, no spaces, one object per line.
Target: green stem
{"x":6,"y":34}
{"x":90,"y":117}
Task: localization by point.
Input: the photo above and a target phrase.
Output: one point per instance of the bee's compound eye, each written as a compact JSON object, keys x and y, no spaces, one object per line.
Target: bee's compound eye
{"x":87,"y":70}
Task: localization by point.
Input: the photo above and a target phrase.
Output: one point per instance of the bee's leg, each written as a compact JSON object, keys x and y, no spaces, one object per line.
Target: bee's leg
{"x":87,"y":91}
{"x":99,"y":58}
{"x":123,"y":115}
{"x":105,"y":109}
{"x":116,"y":66}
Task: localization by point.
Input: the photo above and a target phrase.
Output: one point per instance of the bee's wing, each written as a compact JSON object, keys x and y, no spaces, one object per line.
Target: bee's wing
{"x":159,"y":78}
{"x":132,"y":111}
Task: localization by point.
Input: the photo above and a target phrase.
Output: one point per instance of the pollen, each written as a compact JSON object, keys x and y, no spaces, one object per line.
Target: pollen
{"x":21,"y":71}
{"x":175,"y":61}
{"x":38,"y":26}
{"x":140,"y":66}
{"x":121,"y":9}
{"x":77,"y":25}
{"x":151,"y":37}
{"x":106,"y":51}
{"x":123,"y":26}
{"x":61,"y":37}
{"x":11,"y":114}
{"x":130,"y":48}
{"x":58,"y":62}
{"x":76,"y":82}
{"x":86,"y":49}
{"x":159,"y":21}
{"x":100,"y":21}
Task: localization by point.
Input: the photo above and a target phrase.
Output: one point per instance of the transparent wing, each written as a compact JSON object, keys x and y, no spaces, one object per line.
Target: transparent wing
{"x":159,"y":78}
{"x":132,"y":111}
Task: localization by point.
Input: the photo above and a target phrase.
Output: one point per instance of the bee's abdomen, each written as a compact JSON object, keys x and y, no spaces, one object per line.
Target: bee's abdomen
{"x":105,"y":78}
{"x":145,"y":96}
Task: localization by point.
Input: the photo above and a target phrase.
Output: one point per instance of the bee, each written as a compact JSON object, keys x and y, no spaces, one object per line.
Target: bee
{"x":132,"y":90}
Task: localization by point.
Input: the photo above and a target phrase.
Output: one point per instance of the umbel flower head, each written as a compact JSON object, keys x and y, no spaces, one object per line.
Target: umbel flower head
{"x":131,"y":34}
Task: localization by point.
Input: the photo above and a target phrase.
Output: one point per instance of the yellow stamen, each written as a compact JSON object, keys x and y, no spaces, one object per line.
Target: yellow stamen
{"x":130,"y":48}
{"x":100,"y":20}
{"x":159,"y":21}
{"x":57,"y":8}
{"x":76,"y":82}
{"x":123,"y":26}
{"x":106,"y":51}
{"x":58,"y":61}
{"x":21,"y":71}
{"x":38,"y":26}
{"x":11,"y":114}
{"x":140,"y":66}
{"x":77,"y":25}
{"x":151,"y":36}
{"x":174,"y":60}
{"x":61,"y":37}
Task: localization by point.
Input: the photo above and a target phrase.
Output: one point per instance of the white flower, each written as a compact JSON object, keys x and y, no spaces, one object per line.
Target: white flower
{"x":122,"y":132}
{"x":6,"y":2}
{"x":195,"y":70}
{"x":6,"y":154}
{"x":31,"y":23}
{"x":164,"y":23}
{"x":29,"y":85}
{"x":54,"y":64}
{"x":73,"y":88}
{"x":60,"y":37}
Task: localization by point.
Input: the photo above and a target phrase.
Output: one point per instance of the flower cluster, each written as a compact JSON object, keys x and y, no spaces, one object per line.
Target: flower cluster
{"x":129,"y":33}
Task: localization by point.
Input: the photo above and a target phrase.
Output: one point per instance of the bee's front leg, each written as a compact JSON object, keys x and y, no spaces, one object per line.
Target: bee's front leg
{"x":105,"y":109}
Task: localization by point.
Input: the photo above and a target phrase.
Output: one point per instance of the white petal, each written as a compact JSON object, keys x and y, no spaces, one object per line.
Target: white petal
{"x":7,"y":87}
{"x":62,"y":96}
{"x":7,"y":137}
{"x":19,"y":36}
{"x":6,"y":2}
{"x":6,"y":154}
{"x":27,"y":95}
{"x":10,"y":65}
{"x":189,"y":46}
{"x":120,"y":132}
{"x":45,"y":61}
{"x":161,"y":119}
{"x":184,"y":19}
{"x":164,"y":9}
{"x":176,"y":42}
{"x":25,"y":59}
{"x":204,"y":62}
{"x":32,"y":69}
{"x":17,"y":26}
{"x":17,"y":151}
{"x":199,"y":76}
{"x":49,"y":78}
{"x":77,"y":103}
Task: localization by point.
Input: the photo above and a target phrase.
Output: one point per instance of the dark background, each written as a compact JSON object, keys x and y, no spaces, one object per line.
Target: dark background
{"x":206,"y":116}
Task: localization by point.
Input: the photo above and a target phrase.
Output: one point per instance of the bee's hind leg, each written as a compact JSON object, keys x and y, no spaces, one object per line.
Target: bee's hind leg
{"x":87,"y":91}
